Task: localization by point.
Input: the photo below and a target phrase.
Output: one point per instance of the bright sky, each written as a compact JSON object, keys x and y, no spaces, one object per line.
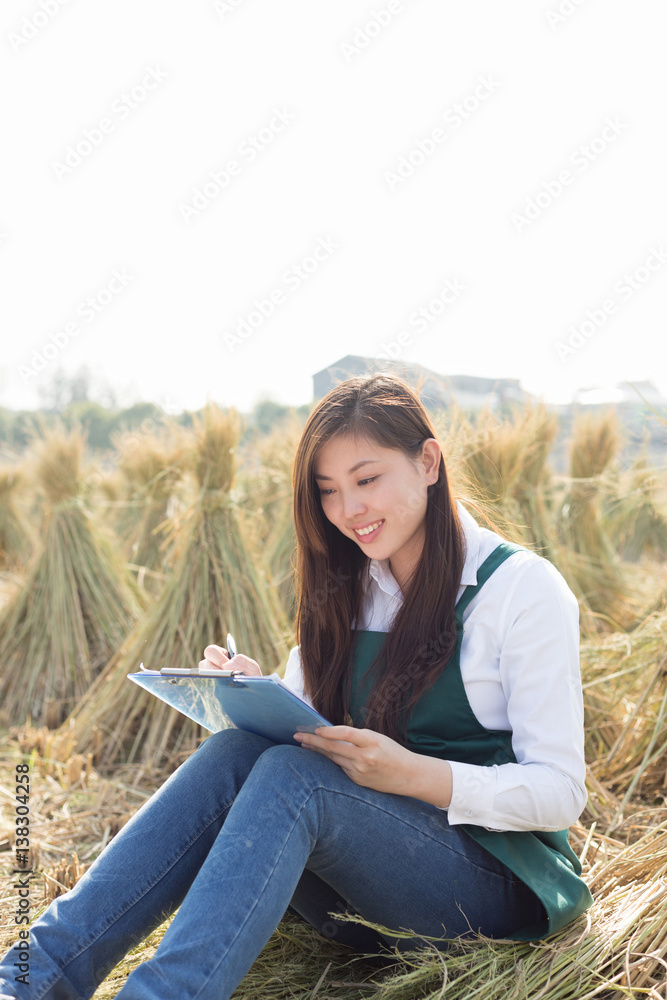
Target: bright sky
{"x":475,"y":186}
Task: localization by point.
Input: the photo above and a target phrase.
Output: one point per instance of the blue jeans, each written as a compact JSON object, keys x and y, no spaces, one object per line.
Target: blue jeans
{"x":241,"y":831}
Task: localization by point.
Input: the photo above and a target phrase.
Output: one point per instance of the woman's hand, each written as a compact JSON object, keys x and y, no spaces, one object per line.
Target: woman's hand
{"x":369,"y":758}
{"x":376,"y":761}
{"x":216,"y":656}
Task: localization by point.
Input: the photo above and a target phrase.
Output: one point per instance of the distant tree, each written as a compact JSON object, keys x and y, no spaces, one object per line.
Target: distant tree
{"x":147,"y":414}
{"x":96,"y":420}
{"x":266,"y":414}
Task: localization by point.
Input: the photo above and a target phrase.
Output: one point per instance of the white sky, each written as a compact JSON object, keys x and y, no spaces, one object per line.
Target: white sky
{"x":219,"y":72}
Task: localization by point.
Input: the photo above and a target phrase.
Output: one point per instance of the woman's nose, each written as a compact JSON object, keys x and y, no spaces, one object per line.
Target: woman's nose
{"x":352,"y":504}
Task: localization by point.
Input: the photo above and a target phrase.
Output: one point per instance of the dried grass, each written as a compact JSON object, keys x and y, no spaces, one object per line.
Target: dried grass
{"x":153,"y":466}
{"x":16,"y":537}
{"x":218,"y":584}
{"x":585,"y":554}
{"x":77,"y":603}
{"x":616,"y":949}
{"x":266,"y":487}
{"x":498,"y":466}
{"x":635,"y":518}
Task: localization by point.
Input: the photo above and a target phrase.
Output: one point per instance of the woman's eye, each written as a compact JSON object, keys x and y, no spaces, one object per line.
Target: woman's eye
{"x":361,"y":482}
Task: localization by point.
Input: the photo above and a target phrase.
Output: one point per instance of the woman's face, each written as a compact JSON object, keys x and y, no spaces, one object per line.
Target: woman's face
{"x":377,"y":497}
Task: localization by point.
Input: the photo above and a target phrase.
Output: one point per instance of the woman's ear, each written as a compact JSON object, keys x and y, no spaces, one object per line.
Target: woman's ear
{"x":431,"y":453}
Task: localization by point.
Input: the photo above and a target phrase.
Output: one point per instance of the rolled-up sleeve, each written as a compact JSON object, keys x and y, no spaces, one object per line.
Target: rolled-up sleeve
{"x":538,"y":664}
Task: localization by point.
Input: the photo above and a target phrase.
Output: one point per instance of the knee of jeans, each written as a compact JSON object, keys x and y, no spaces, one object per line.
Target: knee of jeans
{"x":284,"y":760}
{"x":281,"y":754}
{"x":281,"y":758}
{"x":227,"y":747}
{"x":233,"y":741}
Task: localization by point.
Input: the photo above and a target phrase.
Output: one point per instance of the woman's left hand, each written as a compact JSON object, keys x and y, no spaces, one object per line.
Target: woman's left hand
{"x":369,"y":758}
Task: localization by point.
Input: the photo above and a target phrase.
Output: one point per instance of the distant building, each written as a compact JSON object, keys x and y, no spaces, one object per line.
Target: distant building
{"x":436,"y":391}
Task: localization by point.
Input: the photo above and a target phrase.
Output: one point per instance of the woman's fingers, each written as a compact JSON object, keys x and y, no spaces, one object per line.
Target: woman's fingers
{"x":249,"y":667}
{"x":215,"y":656}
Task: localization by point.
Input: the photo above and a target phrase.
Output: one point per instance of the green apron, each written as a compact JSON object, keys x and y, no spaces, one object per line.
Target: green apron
{"x":442,"y":724}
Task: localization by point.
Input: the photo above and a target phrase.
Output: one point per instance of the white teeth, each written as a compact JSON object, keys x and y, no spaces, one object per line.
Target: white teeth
{"x":367,"y":531}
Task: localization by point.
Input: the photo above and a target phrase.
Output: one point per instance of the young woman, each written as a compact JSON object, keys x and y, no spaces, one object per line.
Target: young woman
{"x":439,"y":799}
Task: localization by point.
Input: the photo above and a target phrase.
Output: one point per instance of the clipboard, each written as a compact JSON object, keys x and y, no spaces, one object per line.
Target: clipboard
{"x":221,"y":699}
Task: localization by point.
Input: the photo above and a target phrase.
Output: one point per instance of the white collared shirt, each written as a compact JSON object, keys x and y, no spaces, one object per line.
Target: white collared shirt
{"x":520,"y":669}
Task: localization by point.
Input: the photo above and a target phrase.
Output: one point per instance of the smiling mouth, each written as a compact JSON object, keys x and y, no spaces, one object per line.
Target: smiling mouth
{"x":370,"y":529}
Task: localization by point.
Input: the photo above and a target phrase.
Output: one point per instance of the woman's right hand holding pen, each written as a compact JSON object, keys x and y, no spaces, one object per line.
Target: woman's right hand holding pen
{"x":217,"y":656}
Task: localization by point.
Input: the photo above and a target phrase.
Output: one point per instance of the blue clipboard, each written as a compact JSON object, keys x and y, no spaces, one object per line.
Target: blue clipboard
{"x":261,"y":705}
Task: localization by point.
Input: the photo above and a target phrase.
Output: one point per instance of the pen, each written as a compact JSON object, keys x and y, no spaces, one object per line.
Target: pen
{"x":231,"y":646}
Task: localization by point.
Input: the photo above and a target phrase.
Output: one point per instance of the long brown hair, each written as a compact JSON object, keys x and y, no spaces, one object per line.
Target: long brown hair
{"x":331,"y":567}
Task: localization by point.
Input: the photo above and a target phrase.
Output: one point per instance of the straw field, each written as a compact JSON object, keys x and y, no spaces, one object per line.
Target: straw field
{"x":221,"y":559}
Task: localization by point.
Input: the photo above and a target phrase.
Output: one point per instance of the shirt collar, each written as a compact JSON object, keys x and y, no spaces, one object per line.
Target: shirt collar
{"x":379,"y":568}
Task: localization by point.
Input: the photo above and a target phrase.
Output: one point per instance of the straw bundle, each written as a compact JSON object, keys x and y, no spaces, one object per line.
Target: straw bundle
{"x":15,"y":535}
{"x":267,"y":487}
{"x":594,"y":445}
{"x":625,"y":693}
{"x":153,"y":465}
{"x":502,"y":464}
{"x":217,"y":585}
{"x":585,"y":554}
{"x":75,"y":608}
{"x":634,"y":517}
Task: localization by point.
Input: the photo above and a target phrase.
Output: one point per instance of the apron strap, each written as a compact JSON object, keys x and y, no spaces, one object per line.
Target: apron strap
{"x":491,"y":563}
